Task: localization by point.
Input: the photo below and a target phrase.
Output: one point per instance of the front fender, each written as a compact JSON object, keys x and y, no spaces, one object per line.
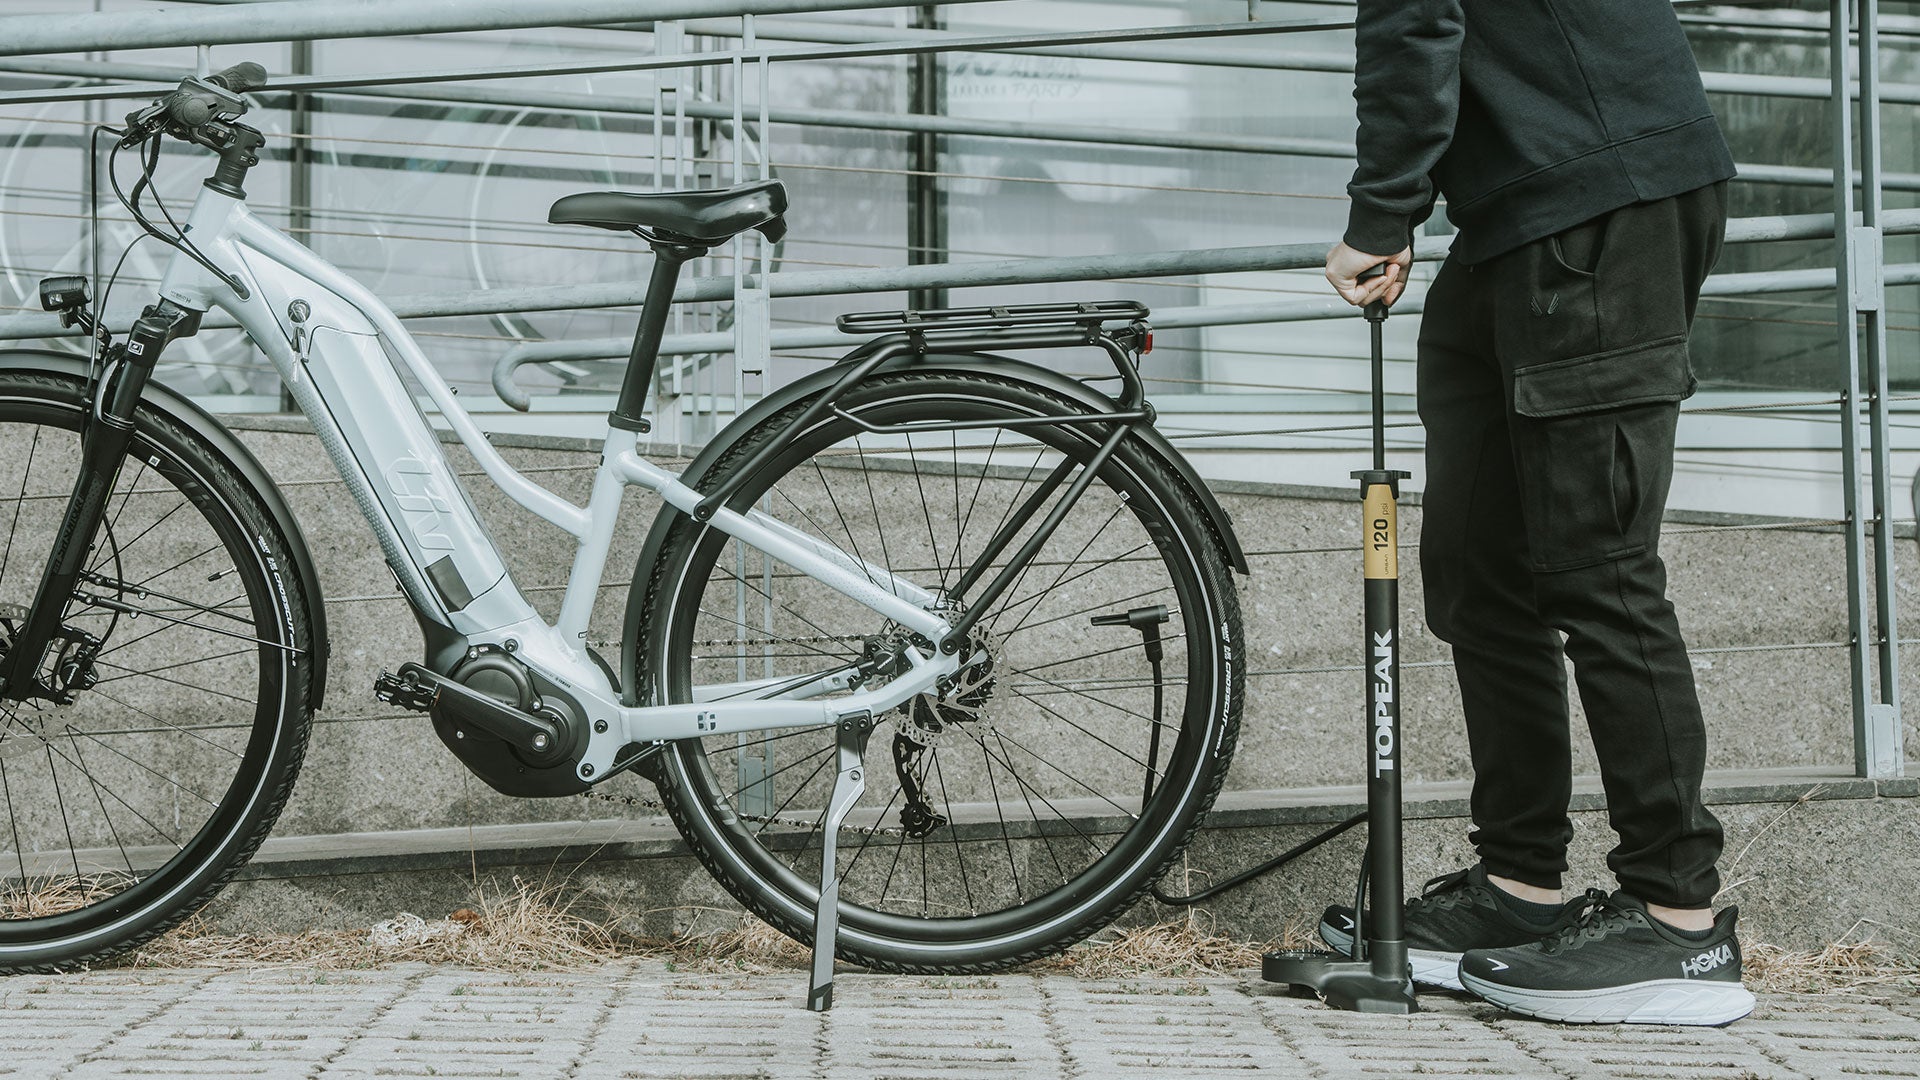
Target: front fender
{"x":963,"y":363}
{"x":184,"y":412}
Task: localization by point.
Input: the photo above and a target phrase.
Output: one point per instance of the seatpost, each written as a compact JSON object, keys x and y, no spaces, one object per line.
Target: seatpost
{"x":669,"y":257}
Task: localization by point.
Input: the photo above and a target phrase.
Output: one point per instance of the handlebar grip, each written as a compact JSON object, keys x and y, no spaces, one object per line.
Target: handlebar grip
{"x":241,"y":78}
{"x":1372,"y":272}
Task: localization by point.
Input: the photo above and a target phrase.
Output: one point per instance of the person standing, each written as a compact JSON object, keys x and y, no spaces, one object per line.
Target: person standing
{"x":1573,"y":144}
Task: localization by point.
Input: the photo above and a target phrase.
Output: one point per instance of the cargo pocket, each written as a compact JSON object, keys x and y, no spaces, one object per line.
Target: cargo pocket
{"x":1593,"y":448}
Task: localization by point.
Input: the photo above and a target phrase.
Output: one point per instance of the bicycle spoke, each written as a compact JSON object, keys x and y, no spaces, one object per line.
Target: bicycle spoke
{"x":187,"y":685}
{"x":180,"y":664}
{"x":788,"y":608}
{"x":1088,"y":695}
{"x":172,"y":727}
{"x":768,"y":779}
{"x":1064,"y":567}
{"x":960,"y":534}
{"x":868,"y":839}
{"x":1042,"y":594}
{"x":933,"y":544}
{"x":1063,"y":719}
{"x":1000,"y":812}
{"x":170,"y":624}
{"x":142,"y":534}
{"x":143,"y":766}
{"x":74,"y":741}
{"x":1027,"y":793}
{"x":14,"y":525}
{"x":966,"y":887}
{"x":879,"y":528}
{"x":781,"y":809}
{"x":13,"y":821}
{"x":1048,"y":762}
{"x":143,"y":582}
{"x":844,"y":527}
{"x":72,"y":848}
{"x":136,"y":813}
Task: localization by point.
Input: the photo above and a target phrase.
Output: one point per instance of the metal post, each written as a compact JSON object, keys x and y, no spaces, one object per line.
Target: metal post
{"x":753,"y":755}
{"x":926,"y":216}
{"x":1859,"y":284}
{"x":1877,"y":750}
{"x":669,"y":382}
{"x":299,"y":171}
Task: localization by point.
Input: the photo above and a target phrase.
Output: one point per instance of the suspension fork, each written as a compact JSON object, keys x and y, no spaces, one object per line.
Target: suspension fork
{"x":105,"y":436}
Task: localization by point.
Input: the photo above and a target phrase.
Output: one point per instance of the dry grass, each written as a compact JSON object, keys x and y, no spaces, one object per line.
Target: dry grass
{"x":522,"y":928}
{"x":525,"y":928}
{"x":1851,"y":967}
{"x":54,"y":896}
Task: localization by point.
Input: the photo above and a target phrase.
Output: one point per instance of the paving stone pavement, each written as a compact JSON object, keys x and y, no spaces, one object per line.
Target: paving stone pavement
{"x":641,"y":1020}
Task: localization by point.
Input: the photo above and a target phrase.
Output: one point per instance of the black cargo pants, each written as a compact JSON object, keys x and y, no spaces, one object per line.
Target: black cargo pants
{"x":1550,"y":382}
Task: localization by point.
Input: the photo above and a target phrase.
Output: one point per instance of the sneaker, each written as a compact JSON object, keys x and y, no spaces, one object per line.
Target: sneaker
{"x":1617,"y":965}
{"x":1453,"y":913}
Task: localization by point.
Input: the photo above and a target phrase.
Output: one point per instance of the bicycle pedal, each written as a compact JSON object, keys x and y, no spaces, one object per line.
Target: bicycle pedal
{"x":390,"y":689}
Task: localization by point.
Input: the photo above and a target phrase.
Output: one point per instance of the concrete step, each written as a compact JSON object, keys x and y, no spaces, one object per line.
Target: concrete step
{"x":1808,"y":857}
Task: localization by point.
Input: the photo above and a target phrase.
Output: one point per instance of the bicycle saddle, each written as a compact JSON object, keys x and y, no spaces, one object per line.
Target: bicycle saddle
{"x":707,"y":217}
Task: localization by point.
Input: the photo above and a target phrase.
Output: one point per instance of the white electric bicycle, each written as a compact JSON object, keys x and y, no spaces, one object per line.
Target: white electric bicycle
{"x":1005,"y":575}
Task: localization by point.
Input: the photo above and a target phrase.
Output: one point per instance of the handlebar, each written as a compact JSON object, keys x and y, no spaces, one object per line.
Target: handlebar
{"x":195,"y":103}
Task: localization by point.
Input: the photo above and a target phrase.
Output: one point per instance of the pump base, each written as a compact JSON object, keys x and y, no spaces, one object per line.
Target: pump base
{"x":1341,"y":982}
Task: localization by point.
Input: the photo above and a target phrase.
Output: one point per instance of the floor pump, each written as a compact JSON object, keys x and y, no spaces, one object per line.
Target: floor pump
{"x":1376,"y":978}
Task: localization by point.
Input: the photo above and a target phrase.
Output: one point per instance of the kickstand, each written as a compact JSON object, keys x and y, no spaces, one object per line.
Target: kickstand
{"x":851,"y":742}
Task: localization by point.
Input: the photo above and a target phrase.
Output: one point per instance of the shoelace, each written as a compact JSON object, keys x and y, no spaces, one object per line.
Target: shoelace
{"x":1445,"y":891}
{"x":1599,"y":917}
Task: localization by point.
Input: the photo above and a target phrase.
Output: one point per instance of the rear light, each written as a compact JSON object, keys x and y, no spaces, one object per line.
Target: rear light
{"x":1146,"y":343}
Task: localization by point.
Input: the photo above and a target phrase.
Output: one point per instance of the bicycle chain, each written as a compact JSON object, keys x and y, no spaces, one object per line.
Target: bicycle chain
{"x":817,"y":639}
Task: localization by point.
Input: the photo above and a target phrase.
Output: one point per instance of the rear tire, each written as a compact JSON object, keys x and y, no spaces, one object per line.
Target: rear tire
{"x":124,"y":811}
{"x":1039,"y":766}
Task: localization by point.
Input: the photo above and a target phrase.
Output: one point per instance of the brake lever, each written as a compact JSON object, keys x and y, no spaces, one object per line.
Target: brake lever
{"x":141,"y":124}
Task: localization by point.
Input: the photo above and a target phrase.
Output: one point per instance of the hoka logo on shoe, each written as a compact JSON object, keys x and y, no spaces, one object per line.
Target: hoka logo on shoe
{"x":1707,"y":961}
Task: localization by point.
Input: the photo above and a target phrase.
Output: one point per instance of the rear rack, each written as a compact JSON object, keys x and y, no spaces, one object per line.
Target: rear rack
{"x":1088,"y":315}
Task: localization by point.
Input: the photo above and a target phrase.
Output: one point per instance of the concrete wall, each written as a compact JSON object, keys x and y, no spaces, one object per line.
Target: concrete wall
{"x":1808,"y":871}
{"x":370,"y":768}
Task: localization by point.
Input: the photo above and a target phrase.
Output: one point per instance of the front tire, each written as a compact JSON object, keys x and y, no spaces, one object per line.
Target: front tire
{"x":1031,"y":804}
{"x":125,"y":810}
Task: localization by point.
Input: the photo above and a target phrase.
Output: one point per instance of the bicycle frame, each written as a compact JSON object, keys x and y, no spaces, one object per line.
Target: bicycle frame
{"x":340,"y":353}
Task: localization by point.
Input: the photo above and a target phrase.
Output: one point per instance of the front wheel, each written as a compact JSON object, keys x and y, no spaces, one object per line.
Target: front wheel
{"x":1033,"y":800}
{"x":150,"y":767}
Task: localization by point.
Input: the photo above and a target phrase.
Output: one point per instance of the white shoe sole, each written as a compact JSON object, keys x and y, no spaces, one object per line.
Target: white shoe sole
{"x":1659,"y":1001}
{"x":1430,"y":968}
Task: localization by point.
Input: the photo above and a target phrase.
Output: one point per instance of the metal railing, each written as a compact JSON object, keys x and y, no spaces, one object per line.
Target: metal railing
{"x":749,"y":41}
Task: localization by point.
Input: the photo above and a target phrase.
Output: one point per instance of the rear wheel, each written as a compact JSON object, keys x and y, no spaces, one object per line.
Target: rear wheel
{"x":1037,"y":797}
{"x":188,"y":663}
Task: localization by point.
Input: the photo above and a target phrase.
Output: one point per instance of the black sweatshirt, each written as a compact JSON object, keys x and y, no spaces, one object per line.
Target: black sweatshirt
{"x":1530,"y":116}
